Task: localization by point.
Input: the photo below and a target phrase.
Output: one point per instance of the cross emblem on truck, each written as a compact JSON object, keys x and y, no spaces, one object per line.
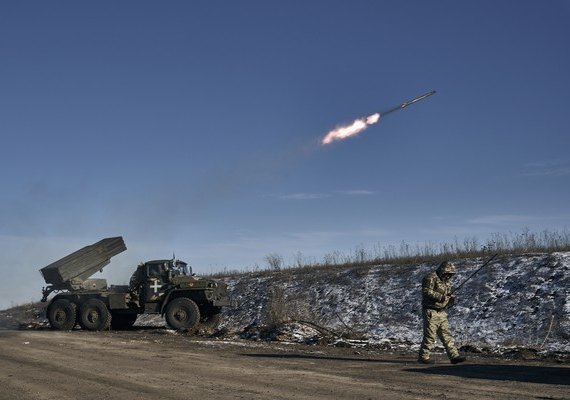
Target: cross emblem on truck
{"x":155,"y":285}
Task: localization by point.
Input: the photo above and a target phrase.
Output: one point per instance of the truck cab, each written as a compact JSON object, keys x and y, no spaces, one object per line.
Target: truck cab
{"x":152,"y":281}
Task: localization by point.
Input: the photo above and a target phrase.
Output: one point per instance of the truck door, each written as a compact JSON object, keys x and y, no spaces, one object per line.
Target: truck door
{"x":156,"y":277}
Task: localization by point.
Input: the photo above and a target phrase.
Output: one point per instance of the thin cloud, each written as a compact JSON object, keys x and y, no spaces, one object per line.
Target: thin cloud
{"x":507,"y":219}
{"x":553,"y":168}
{"x":304,"y":196}
{"x":316,"y":196}
{"x":504,"y":219}
{"x":357,"y":192}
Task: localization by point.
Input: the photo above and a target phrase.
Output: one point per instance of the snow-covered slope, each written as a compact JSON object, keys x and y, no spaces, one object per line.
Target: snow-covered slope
{"x":518,"y":300}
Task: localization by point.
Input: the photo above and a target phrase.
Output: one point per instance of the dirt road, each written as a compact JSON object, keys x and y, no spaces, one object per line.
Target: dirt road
{"x":161,"y":365}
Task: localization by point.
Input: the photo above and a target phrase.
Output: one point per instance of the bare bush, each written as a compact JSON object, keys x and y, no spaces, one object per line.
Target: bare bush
{"x":275,"y":261}
{"x":277,"y":313}
{"x":299,"y":260}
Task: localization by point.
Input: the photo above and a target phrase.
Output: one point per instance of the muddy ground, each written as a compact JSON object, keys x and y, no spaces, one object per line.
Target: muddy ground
{"x":157,"y":363}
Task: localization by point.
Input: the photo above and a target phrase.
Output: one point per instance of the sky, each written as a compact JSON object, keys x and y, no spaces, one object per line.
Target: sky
{"x":193,"y":128}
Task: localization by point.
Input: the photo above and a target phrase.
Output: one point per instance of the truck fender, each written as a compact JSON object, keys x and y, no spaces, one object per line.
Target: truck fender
{"x":165,"y":302}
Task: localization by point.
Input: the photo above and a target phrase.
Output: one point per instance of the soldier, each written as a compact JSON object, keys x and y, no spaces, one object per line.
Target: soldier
{"x":436,"y":299}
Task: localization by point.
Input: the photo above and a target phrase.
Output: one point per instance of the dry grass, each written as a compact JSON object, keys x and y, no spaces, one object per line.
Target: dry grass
{"x":406,"y":253}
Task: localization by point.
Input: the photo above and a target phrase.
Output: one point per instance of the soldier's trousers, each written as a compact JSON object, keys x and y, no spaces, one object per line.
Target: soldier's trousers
{"x":435,"y":324}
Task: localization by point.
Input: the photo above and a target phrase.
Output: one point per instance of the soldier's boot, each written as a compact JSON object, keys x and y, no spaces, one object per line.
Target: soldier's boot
{"x":426,"y":361}
{"x":458,"y":359}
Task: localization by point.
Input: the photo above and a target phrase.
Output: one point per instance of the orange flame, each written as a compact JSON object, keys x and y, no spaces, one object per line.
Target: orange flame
{"x":353,"y":129}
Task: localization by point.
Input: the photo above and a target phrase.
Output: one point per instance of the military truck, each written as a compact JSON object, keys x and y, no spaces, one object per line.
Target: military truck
{"x":166,"y":287}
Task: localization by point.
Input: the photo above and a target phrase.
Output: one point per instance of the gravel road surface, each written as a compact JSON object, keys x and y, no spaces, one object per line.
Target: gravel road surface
{"x":159,"y":364}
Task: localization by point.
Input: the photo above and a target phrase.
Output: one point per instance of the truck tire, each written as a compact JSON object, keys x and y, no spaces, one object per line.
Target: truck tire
{"x":182,"y":314}
{"x":94,"y":315}
{"x":62,"y":315}
{"x":122,"y":322}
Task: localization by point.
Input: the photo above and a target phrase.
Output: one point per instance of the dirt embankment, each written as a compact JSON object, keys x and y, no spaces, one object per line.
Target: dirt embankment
{"x":515,"y":301}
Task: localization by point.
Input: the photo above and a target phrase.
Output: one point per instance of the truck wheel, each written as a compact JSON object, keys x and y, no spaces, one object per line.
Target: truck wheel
{"x":62,"y":314}
{"x":182,"y":313}
{"x":122,"y":322}
{"x":210,"y":323}
{"x":94,"y":315}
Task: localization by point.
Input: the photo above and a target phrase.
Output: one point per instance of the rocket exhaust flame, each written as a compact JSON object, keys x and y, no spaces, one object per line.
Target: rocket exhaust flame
{"x":361,"y":124}
{"x":355,"y":128}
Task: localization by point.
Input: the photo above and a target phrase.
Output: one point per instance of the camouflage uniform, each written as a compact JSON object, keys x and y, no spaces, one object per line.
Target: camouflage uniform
{"x":436,"y":298}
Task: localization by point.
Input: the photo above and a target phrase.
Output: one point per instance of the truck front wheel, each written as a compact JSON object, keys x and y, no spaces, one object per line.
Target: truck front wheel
{"x":94,"y":315}
{"x":182,"y":313}
{"x":62,"y":314}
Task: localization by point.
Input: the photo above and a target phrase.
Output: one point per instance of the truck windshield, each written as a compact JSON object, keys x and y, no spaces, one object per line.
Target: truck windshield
{"x":182,"y":268}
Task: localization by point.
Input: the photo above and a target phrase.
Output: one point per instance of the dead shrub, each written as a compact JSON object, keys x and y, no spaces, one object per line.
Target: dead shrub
{"x":276,"y":307}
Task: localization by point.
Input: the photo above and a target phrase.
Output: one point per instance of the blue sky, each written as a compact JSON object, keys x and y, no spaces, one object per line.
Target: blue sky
{"x":193,"y":127}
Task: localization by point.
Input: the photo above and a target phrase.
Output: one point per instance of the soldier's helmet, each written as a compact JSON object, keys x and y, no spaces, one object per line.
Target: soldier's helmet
{"x":446,"y":267}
